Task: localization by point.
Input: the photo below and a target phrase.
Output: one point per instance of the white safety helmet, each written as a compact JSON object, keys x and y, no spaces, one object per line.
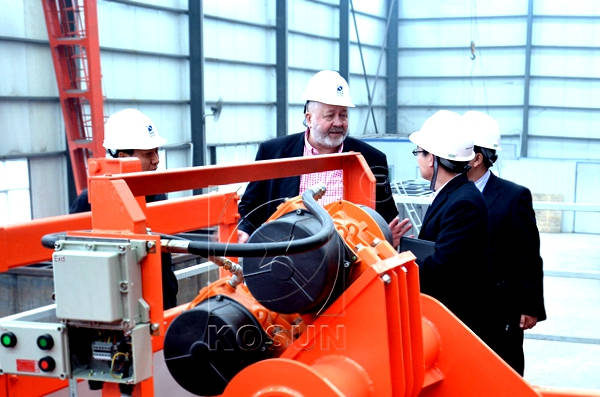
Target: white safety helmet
{"x":443,"y":135}
{"x":131,"y":129}
{"x":483,"y":128}
{"x":328,"y":87}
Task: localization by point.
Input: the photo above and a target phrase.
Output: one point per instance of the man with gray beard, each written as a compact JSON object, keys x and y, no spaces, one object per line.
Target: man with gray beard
{"x":327,"y":97}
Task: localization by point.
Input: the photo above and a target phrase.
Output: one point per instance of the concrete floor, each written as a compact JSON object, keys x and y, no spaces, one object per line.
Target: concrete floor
{"x":564,"y":351}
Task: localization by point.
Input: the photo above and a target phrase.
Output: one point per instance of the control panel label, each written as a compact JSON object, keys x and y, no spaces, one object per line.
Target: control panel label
{"x":27,"y":366}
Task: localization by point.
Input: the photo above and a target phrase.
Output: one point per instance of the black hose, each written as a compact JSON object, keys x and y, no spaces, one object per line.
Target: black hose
{"x":208,"y":248}
{"x":204,"y":248}
{"x":49,"y":240}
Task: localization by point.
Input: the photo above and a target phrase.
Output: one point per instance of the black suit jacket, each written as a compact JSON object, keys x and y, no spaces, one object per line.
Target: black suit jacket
{"x":457,"y":273}
{"x":262,"y":197}
{"x":515,"y":249}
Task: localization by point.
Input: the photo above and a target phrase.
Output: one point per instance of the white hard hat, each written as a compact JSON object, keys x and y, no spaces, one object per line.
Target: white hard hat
{"x":483,"y":128}
{"x":131,"y":129}
{"x":443,"y":135}
{"x":328,"y":87}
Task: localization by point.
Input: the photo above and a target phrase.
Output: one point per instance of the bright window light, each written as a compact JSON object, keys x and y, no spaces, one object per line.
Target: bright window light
{"x":15,"y":199}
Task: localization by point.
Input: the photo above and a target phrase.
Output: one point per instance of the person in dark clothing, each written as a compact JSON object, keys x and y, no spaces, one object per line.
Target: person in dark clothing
{"x":130,"y":133}
{"x":327,"y":99}
{"x":456,"y":221}
{"x":518,"y":278}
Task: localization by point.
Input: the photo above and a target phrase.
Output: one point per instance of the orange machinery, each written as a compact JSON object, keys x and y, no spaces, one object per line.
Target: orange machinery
{"x":366,"y":331}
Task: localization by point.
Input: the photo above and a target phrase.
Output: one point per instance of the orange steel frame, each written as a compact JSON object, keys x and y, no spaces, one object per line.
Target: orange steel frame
{"x":119,"y":209}
{"x":394,"y":340}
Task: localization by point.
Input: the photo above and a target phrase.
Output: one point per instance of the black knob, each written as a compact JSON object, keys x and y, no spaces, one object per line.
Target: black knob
{"x":45,"y":342}
{"x":8,"y":339}
{"x":47,"y":364}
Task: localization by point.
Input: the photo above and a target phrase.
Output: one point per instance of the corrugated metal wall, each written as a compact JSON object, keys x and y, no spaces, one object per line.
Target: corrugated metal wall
{"x":535,"y":68}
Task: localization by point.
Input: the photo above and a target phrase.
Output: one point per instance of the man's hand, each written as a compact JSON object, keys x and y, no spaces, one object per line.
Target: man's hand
{"x":399,"y":228}
{"x":242,"y":236}
{"x":527,"y":322}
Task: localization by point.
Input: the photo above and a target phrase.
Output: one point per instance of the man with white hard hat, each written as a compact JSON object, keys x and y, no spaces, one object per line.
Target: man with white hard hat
{"x":518,"y":278}
{"x":130,"y":133}
{"x":327,"y":99}
{"x":456,"y":221}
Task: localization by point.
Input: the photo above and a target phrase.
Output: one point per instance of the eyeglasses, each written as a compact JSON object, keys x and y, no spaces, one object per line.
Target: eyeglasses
{"x":415,"y":152}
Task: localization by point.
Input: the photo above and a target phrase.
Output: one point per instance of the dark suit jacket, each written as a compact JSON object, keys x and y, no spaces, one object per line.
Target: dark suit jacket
{"x":251,"y":207}
{"x":515,"y":249}
{"x":456,"y":274}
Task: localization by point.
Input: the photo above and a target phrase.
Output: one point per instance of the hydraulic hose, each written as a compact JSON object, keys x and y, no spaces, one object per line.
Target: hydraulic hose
{"x":309,"y":197}
{"x":208,"y":249}
{"x":49,"y":240}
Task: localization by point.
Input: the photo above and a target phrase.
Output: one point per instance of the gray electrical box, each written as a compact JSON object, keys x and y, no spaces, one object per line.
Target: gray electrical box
{"x":99,"y":328}
{"x":99,"y":281}
{"x":86,"y":285}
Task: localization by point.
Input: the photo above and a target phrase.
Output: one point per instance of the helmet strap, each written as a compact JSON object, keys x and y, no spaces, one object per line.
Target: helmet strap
{"x":435,"y":172}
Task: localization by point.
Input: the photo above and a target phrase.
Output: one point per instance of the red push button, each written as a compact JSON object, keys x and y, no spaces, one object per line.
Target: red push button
{"x":47,"y":364}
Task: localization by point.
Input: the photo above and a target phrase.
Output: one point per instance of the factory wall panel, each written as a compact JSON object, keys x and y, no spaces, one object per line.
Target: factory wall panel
{"x":26,"y":70}
{"x":557,"y":7}
{"x":238,"y":42}
{"x":566,"y":62}
{"x":566,"y":32}
{"x":134,"y":77}
{"x":449,"y":9}
{"x":295,"y":119}
{"x":460,"y":33}
{"x":254,"y":11}
{"x":410,"y":119}
{"x":314,"y":53}
{"x":562,"y":123}
{"x":461,"y":92}
{"x":48,"y":174}
{"x":241,"y":123}
{"x":564,"y":148}
{"x":23,"y":18}
{"x":565,"y":93}
{"x":371,"y":31}
{"x":313,"y":18}
{"x":241,"y":83}
{"x":458,"y":62}
{"x":142,"y":29}
{"x":175,"y":4}
{"x":31,"y":127}
{"x":374,"y":60}
{"x":587,"y":192}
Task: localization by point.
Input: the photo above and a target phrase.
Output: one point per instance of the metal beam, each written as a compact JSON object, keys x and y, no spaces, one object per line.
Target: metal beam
{"x":391,"y":67}
{"x":526,"y":81}
{"x":198,"y":127}
{"x":344,"y":57}
{"x":281,"y":38}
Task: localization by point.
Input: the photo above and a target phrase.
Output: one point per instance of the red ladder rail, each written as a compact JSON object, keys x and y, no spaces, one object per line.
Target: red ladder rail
{"x":73,"y":35}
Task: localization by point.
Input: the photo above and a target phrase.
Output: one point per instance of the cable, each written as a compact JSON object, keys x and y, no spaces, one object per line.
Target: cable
{"x":112,"y":364}
{"x":209,"y":248}
{"x":309,"y":198}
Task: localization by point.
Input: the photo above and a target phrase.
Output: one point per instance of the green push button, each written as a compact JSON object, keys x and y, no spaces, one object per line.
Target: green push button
{"x":45,"y":342}
{"x":8,"y":339}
